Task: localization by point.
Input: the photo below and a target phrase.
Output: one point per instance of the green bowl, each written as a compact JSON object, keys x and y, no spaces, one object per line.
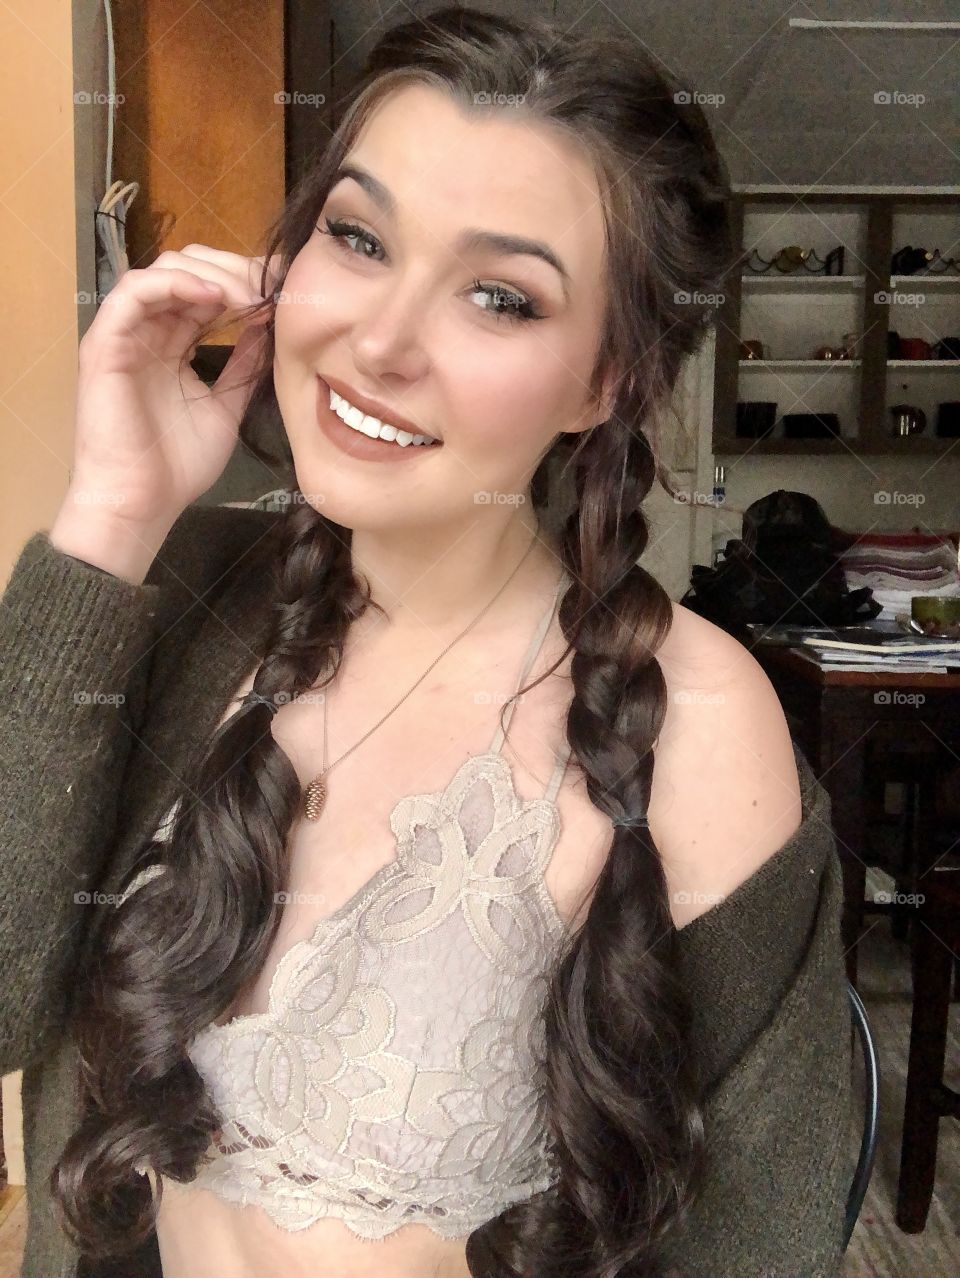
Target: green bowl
{"x":936,"y":613}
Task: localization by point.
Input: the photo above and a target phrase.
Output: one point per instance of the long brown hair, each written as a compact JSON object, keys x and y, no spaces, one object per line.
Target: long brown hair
{"x":620,"y":1087}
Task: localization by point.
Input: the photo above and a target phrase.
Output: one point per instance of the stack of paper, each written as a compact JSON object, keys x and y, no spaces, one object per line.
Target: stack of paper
{"x":886,"y":653}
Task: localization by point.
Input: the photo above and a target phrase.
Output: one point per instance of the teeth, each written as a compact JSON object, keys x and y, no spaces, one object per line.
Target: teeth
{"x":372,"y":426}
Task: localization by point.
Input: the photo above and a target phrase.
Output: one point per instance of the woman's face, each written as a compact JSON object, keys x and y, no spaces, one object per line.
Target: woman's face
{"x":392,"y":312}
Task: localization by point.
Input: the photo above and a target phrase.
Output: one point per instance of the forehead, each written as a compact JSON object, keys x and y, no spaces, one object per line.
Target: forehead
{"x":501,"y":169}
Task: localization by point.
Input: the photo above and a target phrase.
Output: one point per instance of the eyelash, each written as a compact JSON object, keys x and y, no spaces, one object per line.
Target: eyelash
{"x":525,"y":310}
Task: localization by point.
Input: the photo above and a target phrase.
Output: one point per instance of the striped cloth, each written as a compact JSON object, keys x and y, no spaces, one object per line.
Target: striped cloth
{"x":897,"y":566}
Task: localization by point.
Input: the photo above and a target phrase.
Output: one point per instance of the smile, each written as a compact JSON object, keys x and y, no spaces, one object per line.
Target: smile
{"x":373,"y":427}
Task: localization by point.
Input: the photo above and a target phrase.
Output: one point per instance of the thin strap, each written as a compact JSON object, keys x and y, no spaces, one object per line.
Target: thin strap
{"x":553,"y":788}
{"x":536,"y":643}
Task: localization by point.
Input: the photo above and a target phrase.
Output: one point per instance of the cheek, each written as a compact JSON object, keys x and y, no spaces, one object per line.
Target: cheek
{"x":521,"y":390}
{"x":307,"y":307}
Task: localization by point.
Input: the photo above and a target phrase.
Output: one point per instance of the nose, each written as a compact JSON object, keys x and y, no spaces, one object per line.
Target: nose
{"x":388,"y":336}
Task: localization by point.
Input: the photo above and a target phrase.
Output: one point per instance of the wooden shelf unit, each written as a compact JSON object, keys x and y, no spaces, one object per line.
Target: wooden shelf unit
{"x":792,"y":314}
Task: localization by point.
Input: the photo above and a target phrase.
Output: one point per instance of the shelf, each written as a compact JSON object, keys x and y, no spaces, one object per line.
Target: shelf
{"x":727,"y":446}
{"x":800,"y":311}
{"x":921,"y":445}
{"x":946,"y":282}
{"x":803,"y":364}
{"x":921,"y":363}
{"x":802,"y":283}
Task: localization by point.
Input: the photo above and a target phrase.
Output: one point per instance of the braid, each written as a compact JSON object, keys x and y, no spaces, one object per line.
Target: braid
{"x":613,"y":1123}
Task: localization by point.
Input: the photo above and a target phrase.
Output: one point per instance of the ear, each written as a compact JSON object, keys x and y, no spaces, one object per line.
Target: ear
{"x":601,"y":410}
{"x":597,"y":409}
{"x":607,"y":398}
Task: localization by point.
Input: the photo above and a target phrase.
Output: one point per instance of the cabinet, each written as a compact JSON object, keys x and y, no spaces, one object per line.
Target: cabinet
{"x":794,"y":312}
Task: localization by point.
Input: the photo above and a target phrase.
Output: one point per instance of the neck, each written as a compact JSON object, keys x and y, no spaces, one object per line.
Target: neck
{"x":435,"y":582}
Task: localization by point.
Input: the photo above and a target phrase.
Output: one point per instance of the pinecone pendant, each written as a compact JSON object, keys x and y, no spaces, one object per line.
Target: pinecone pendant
{"x":315,"y":798}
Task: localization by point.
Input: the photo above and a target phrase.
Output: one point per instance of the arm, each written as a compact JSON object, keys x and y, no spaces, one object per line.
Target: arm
{"x":78,"y":648}
{"x":771,"y":1035}
{"x":751,"y":861}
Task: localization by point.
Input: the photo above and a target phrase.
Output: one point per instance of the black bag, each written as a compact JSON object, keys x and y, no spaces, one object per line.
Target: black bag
{"x":786,"y":568}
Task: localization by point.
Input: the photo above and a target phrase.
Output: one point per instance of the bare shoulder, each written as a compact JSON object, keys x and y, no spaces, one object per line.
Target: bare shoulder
{"x":726,"y":794}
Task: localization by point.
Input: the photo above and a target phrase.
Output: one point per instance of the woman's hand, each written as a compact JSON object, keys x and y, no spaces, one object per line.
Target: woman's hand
{"x":150,"y":436}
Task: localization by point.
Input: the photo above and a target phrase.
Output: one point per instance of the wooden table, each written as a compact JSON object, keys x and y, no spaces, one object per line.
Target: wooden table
{"x":835,"y":716}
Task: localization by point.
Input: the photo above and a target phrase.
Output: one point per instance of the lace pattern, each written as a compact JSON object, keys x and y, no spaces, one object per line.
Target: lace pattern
{"x":394,"y":1075}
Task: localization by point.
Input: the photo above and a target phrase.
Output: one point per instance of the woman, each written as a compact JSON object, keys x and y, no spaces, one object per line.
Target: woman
{"x":380,"y":1001}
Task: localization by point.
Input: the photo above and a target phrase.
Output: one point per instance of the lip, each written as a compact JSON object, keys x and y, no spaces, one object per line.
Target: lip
{"x":383,"y":412}
{"x":354,"y":443}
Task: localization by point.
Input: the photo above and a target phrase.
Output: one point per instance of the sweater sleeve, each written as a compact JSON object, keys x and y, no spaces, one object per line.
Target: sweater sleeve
{"x":79,"y":651}
{"x":74,"y":661}
{"x":771,"y":1034}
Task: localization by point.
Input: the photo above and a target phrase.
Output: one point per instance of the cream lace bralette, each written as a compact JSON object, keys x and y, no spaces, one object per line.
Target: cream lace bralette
{"x":394,"y":1077}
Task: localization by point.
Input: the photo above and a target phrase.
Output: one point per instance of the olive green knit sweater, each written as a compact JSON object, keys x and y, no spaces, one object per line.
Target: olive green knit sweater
{"x":108,"y":690}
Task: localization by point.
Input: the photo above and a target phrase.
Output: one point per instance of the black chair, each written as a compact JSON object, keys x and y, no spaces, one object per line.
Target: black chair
{"x":868,"y":1144}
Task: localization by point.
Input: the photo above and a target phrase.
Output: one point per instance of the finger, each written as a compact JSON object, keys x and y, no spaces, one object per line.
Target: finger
{"x":247,"y":269}
{"x":237,"y":291}
{"x":151,"y":291}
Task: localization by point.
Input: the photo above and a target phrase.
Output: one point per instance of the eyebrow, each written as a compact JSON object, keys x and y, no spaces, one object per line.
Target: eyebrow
{"x":472,"y":237}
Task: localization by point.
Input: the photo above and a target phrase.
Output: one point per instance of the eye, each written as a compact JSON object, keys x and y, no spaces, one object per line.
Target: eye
{"x":503,"y":295}
{"x":507,"y":304}
{"x":341,"y":231}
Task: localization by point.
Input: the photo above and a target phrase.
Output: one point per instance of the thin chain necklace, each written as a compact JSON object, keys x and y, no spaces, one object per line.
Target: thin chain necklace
{"x":315,"y":794}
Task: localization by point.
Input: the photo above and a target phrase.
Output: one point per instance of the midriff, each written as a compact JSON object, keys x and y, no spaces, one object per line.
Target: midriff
{"x":201,"y":1236}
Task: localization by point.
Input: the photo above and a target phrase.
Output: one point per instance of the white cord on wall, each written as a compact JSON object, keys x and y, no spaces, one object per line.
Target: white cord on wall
{"x":111,"y":216}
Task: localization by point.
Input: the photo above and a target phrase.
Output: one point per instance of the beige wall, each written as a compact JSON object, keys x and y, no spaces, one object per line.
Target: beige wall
{"x":38,"y":319}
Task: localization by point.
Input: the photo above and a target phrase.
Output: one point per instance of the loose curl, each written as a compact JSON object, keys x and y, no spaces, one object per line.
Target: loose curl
{"x":622,"y":1103}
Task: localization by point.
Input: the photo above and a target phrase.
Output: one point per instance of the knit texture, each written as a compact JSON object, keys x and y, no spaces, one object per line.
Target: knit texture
{"x":109,"y":691}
